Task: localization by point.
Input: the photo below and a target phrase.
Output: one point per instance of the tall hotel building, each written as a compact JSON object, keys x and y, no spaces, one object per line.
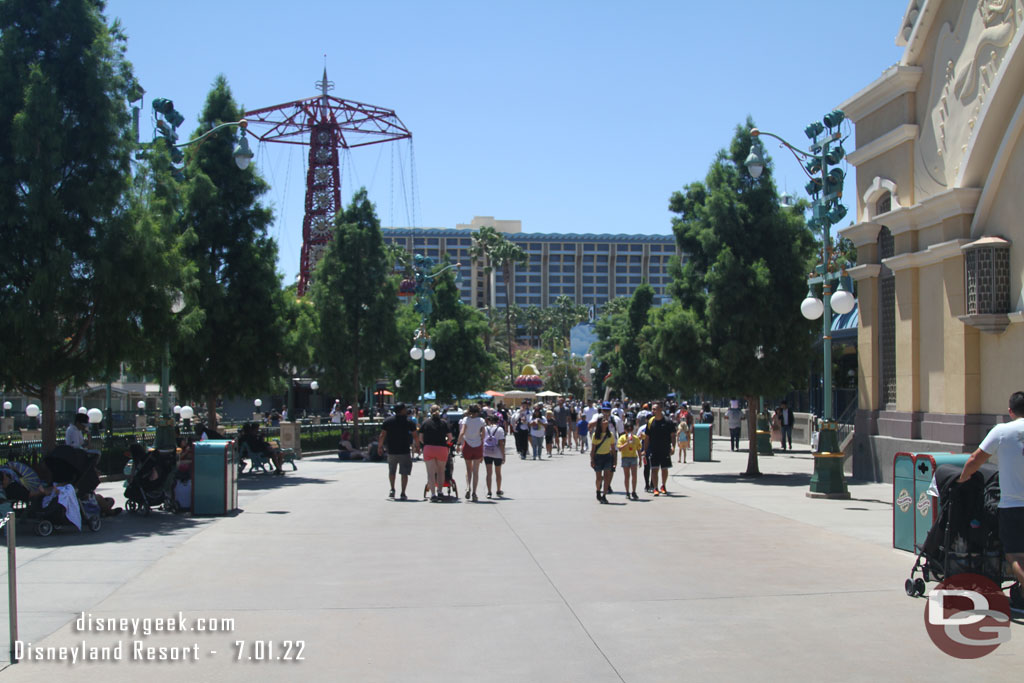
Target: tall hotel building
{"x":589,"y":269}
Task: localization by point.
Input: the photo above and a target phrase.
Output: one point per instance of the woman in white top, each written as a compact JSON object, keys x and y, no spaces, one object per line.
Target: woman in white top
{"x":538,"y":427}
{"x":471,"y":439}
{"x":494,"y":452}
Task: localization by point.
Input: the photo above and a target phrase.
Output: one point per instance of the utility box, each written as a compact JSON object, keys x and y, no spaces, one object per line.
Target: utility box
{"x":702,"y":443}
{"x":214,"y":478}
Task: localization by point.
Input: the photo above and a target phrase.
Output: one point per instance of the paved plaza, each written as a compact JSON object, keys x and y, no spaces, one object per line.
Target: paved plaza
{"x":724,"y":579}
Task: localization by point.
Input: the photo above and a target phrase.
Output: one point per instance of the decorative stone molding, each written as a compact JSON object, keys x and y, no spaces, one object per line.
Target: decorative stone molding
{"x":861,"y":233}
{"x":879,"y":186}
{"x":933,"y":210}
{"x":864,"y":271}
{"x":992,"y":323}
{"x":891,"y":140}
{"x":895,"y":81}
{"x":936,"y":253}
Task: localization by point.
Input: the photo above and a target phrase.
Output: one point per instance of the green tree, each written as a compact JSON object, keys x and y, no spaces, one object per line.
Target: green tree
{"x":735,"y":326}
{"x":621,"y":340}
{"x":82,"y":268}
{"x":499,"y":252}
{"x":355,"y":297}
{"x":463,"y":365}
{"x":234,"y":310}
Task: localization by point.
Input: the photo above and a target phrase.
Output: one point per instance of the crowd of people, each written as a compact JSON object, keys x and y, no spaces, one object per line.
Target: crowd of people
{"x":632,"y":436}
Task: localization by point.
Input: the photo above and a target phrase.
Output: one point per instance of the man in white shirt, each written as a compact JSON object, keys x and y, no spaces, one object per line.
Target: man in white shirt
{"x":590,"y":412}
{"x":1007,"y":442}
{"x":77,"y":433}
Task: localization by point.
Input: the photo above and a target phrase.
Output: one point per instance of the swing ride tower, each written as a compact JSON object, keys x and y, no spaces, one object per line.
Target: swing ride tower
{"x":326,"y":124}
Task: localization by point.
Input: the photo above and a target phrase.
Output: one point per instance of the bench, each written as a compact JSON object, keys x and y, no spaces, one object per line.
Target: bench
{"x":256,"y":460}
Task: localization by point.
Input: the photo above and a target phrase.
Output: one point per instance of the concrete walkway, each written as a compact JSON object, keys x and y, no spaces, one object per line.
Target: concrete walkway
{"x":723,"y":579}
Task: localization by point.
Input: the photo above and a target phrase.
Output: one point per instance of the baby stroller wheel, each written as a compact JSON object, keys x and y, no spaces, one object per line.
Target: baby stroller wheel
{"x":920,"y":586}
{"x":131,"y":506}
{"x":908,"y":586}
{"x":44,"y":527}
{"x":95,"y":524}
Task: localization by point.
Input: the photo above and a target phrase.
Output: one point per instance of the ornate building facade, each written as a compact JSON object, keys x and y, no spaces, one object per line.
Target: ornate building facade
{"x":940,"y":232}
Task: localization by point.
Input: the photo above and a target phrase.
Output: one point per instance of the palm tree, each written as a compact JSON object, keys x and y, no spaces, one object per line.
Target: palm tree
{"x":498,"y":252}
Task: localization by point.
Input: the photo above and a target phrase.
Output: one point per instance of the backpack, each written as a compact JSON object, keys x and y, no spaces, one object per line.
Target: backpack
{"x":490,"y":438}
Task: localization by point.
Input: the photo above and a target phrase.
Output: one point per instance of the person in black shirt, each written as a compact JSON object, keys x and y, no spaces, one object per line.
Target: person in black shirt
{"x":435,"y":433}
{"x":400,"y":434}
{"x":661,"y":434}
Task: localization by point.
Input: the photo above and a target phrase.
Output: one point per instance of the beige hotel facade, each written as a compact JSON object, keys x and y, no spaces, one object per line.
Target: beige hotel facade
{"x":940,"y":232}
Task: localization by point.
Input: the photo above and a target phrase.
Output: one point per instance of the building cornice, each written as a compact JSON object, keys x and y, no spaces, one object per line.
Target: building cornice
{"x":936,"y":253}
{"x":891,"y":140}
{"x":861,"y":233}
{"x":959,"y":201}
{"x":865,"y":271}
{"x":895,"y":81}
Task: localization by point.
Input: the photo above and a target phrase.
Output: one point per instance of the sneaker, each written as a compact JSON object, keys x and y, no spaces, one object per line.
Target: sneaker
{"x":500,"y":493}
{"x":599,"y":497}
{"x":467,"y":495}
{"x":657,"y":492}
{"x":403,"y":497}
{"x":663,"y":491}
{"x":603,"y":499}
{"x":392,"y":494}
{"x":488,"y":494}
{"x":635,"y":497}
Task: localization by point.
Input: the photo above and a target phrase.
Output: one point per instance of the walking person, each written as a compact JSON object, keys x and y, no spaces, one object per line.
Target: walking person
{"x":494,"y":452}
{"x":400,"y":434}
{"x":521,"y":430}
{"x":734,"y":418}
{"x":1006,"y":441}
{"x":560,"y":413}
{"x":685,"y":431}
{"x":629,"y":451}
{"x":582,"y":429}
{"x":471,"y":438}
{"x":434,"y":433}
{"x":602,"y":457}
{"x":538,"y":427}
{"x":550,"y":431}
{"x":786,"y":419}
{"x":661,"y":433}
{"x":776,"y":427}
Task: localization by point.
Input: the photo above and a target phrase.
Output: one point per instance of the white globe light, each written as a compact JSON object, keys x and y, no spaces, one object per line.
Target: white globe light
{"x":187,"y":412}
{"x":177,"y":410}
{"x":32,"y":410}
{"x":398,"y":384}
{"x":812,"y":308}
{"x":416,"y":353}
{"x":141,"y":405}
{"x":8,"y":405}
{"x":314,"y":385}
{"x":843,"y":302}
{"x":95,"y":416}
{"x":83,"y":410}
{"x":430,"y":354}
{"x":257,"y":403}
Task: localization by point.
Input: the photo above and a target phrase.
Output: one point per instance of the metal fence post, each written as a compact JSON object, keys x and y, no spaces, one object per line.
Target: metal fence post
{"x":12,"y":584}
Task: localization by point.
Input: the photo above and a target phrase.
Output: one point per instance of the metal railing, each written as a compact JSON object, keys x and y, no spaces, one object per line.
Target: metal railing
{"x":845,"y":422}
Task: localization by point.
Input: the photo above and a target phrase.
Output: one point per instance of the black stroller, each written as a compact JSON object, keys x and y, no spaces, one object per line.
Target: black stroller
{"x":69,"y":467}
{"x":151,"y":481}
{"x":449,"y":475}
{"x":965,"y":536}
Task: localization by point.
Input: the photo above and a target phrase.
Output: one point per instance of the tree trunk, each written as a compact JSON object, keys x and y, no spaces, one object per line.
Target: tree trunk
{"x":48,"y":416}
{"x":507,"y":275}
{"x":211,"y":413}
{"x":355,"y":412}
{"x":752,"y":468}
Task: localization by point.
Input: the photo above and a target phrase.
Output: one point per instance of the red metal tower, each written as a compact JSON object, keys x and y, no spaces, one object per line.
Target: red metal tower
{"x":325,"y":123}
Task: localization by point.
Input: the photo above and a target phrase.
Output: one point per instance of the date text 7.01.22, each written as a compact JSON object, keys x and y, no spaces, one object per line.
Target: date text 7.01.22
{"x":269,"y":650}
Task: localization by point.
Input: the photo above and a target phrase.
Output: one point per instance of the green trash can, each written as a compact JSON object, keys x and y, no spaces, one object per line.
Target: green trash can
{"x":924,"y":471}
{"x":214,"y":478}
{"x":702,"y":443}
{"x":903,"y":512}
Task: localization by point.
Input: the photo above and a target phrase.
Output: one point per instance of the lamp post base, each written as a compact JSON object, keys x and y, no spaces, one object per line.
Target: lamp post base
{"x":828,"y":480}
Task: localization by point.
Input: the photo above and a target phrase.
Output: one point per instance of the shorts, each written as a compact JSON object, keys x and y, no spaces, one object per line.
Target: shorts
{"x":629,"y":462}
{"x":439,"y":453}
{"x":497,"y":462}
{"x":661,"y":460}
{"x":604,"y":463}
{"x":401,"y":462}
{"x":472,"y":452}
{"x":1011,"y":530}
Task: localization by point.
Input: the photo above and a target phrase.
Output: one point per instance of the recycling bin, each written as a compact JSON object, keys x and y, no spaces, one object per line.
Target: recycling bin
{"x":214,"y":478}
{"x":924,"y":472}
{"x":702,"y":443}
{"x":903,"y":512}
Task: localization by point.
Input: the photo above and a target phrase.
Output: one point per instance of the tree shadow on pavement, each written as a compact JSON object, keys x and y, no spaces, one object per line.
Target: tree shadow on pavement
{"x":793,"y":479}
{"x":264,"y":482}
{"x":124,"y":527}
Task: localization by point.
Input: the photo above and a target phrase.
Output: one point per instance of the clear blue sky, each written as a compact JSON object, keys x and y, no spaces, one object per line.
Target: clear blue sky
{"x":569,"y":116}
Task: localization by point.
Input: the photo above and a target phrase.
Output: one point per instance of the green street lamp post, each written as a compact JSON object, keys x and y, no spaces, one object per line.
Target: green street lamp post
{"x":424,"y":305}
{"x":826,"y":189}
